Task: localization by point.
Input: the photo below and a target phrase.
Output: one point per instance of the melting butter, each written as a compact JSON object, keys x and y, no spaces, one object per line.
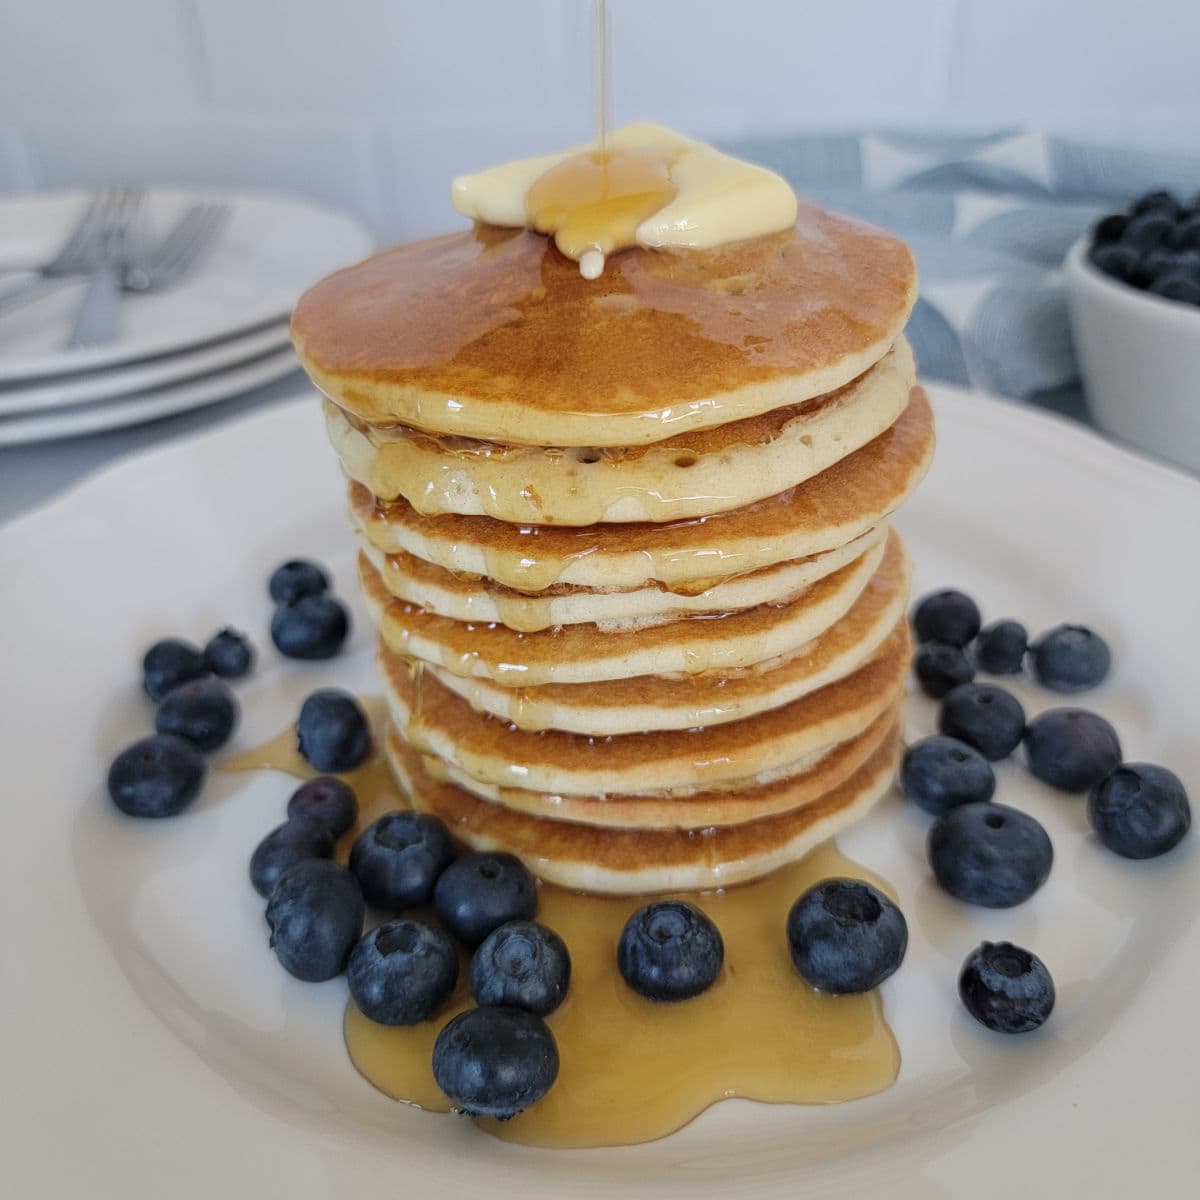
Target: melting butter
{"x":648,"y":186}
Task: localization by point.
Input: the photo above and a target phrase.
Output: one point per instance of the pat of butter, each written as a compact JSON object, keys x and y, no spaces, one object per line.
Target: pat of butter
{"x":716,"y":198}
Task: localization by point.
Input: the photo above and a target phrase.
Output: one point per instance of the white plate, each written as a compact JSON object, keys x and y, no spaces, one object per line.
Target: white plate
{"x":90,"y":387}
{"x":156,"y":1048}
{"x":150,"y":405}
{"x":271,"y":249}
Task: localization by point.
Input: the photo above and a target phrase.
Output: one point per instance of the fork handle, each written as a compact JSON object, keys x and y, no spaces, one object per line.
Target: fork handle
{"x":20,"y":294}
{"x":97,"y":321}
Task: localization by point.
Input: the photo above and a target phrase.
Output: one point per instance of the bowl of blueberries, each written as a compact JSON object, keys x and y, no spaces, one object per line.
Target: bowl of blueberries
{"x":1134,"y":287}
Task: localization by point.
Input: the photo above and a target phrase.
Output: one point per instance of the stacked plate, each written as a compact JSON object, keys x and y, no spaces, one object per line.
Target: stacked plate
{"x":218,"y":331}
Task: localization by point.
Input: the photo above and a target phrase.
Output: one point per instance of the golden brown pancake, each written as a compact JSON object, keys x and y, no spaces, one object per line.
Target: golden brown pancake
{"x":595,"y":859}
{"x":732,"y":804}
{"x":825,"y":512}
{"x":648,"y":702}
{"x":586,"y":654}
{"x":492,"y":333}
{"x":438,"y":722}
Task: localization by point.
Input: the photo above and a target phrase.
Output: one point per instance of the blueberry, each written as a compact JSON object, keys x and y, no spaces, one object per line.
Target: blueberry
{"x":989,"y":854}
{"x":946,"y":616}
{"x":1154,"y":263}
{"x":169,"y":663}
{"x":846,"y":936}
{"x":495,"y":1062}
{"x":295,"y":578}
{"x":1117,"y":261}
{"x":296,"y":840}
{"x":1109,"y":229}
{"x":1071,"y":748}
{"x":1000,"y":648}
{"x":1149,"y":229}
{"x":1070,"y":658}
{"x":229,"y":654}
{"x":984,"y":716}
{"x":311,"y":627}
{"x":670,"y":950}
{"x":156,"y":777}
{"x":1140,"y":810}
{"x":481,"y":892}
{"x":1187,"y":233}
{"x":398,"y":858}
{"x":402,"y":972}
{"x":1177,"y":285}
{"x":522,"y":964}
{"x":939,"y":667}
{"x":332,"y":733}
{"x":315,"y":913}
{"x":1160,"y":201}
{"x":1006,"y":988}
{"x":940,"y":773}
{"x":327,"y":801}
{"x":204,"y":712}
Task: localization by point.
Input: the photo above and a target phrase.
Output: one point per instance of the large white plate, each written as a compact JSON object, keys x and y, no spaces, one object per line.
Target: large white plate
{"x":152,"y":1046}
{"x":271,"y":249}
{"x":106,"y":384}
{"x":149,"y":405}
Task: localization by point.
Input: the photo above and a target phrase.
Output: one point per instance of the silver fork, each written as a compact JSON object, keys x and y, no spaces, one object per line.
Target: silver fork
{"x":77,"y":253}
{"x":187,"y":241}
{"x":97,"y":319}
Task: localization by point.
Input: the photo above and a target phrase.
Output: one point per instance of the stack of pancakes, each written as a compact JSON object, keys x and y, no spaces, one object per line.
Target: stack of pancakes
{"x":641,"y":614}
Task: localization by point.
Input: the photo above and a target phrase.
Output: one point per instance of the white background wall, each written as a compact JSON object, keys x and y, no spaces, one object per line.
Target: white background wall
{"x":375,"y":104}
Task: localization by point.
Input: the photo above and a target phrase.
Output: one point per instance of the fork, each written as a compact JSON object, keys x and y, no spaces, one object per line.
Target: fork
{"x":189,"y":238}
{"x":96,"y":320}
{"x":77,"y":254}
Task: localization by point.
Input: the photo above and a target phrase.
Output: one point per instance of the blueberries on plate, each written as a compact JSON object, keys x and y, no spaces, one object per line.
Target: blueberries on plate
{"x":1140,"y":810}
{"x":315,"y":914}
{"x":402,"y":972}
{"x":1006,"y":988}
{"x":989,"y":854}
{"x":939,"y":667}
{"x":169,"y":663}
{"x":522,"y":964}
{"x":846,"y":936}
{"x":296,"y":840}
{"x":946,"y":616}
{"x":229,"y":654}
{"x":495,"y":1062}
{"x":203,"y":711}
{"x":1070,"y":658}
{"x":158,"y":776}
{"x":481,"y":892}
{"x":669,"y":950}
{"x":984,"y":716}
{"x":328,"y":801}
{"x":1071,"y":748}
{"x":296,"y":578}
{"x":398,"y":859}
{"x":310,"y":627}
{"x":940,"y":773}
{"x":332,"y":733}
{"x":1000,"y":648}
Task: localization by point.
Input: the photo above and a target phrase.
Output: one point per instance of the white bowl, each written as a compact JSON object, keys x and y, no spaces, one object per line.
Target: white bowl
{"x":1139,"y":355}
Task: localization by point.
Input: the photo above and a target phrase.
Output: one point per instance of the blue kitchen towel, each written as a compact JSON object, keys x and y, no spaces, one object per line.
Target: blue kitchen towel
{"x":990,"y":219}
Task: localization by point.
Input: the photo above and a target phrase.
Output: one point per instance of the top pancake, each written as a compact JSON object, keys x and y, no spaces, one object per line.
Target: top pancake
{"x":492,"y":333}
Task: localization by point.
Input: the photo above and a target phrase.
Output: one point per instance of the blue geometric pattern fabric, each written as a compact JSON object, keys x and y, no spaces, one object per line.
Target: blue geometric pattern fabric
{"x":990,"y":219}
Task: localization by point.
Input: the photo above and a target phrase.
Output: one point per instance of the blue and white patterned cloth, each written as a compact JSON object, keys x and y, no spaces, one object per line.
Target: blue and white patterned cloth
{"x":990,"y":219}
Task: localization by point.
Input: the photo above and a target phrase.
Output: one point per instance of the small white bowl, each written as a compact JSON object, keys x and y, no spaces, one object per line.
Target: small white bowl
{"x":1139,"y":355}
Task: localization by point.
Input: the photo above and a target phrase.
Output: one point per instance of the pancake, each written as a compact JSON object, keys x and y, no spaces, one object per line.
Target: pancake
{"x":492,"y":333}
{"x":739,"y":801}
{"x":585,"y":654}
{"x":588,"y":858}
{"x":649,"y":702}
{"x":438,"y":722}
{"x":473,"y":599}
{"x":689,"y":474}
{"x":827,"y":511}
